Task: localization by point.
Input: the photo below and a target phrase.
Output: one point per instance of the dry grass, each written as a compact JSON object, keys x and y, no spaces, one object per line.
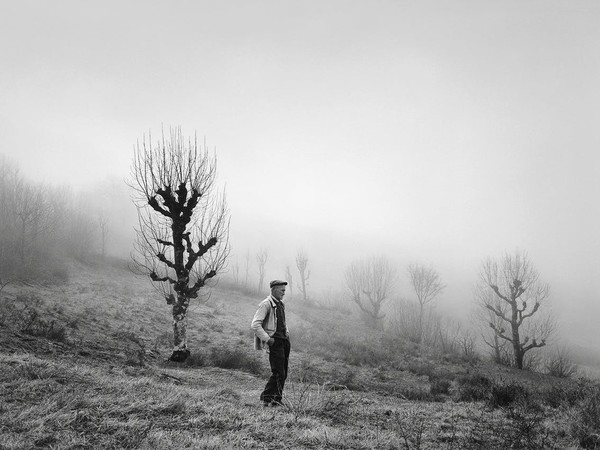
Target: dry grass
{"x":106,"y":383}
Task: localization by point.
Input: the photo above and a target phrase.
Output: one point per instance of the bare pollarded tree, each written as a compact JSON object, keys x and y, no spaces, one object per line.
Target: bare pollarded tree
{"x":370,"y":282}
{"x":183,"y":235}
{"x":427,"y":285}
{"x":302,"y":265}
{"x":261,"y":260}
{"x":290,"y":279}
{"x":511,"y":290}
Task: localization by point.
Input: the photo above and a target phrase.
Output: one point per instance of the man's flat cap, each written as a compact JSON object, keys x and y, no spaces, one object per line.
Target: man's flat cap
{"x":278,"y":283}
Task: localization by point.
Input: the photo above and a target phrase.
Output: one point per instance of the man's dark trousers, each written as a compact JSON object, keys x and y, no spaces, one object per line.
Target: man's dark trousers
{"x":279,"y":355}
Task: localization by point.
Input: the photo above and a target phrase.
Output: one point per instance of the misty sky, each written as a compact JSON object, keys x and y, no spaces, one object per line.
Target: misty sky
{"x":443,"y":132}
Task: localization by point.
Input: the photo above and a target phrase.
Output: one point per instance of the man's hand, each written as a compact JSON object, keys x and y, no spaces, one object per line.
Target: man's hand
{"x":270,"y":342}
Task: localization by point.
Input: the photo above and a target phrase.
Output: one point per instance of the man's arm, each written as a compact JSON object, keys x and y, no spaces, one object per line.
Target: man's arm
{"x":257,"y":322}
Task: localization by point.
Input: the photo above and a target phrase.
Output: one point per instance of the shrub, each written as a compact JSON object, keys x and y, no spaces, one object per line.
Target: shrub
{"x":317,"y":400}
{"x":560,"y":364}
{"x":235,"y":359}
{"x":526,"y":426}
{"x":586,"y":425}
{"x":440,"y":386}
{"x":422,"y":369}
{"x":473,"y":388}
{"x":359,"y":352}
{"x":133,"y":346}
{"x":195,"y":360}
{"x":347,"y":378}
{"x":411,"y":426}
{"x":34,"y":325}
{"x":562,"y":395}
{"x":506,"y":394}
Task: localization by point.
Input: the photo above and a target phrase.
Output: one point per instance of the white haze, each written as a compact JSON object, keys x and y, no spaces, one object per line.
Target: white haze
{"x":441,"y":132}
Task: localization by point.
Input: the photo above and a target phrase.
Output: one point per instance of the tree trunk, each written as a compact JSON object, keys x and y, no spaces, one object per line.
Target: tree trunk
{"x":516,"y":339}
{"x":180,"y":350}
{"x":519,"y":358}
{"x":420,"y":323}
{"x":22,"y":249}
{"x":497,"y":354}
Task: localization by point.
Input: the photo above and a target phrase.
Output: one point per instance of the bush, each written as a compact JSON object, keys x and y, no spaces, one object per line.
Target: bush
{"x":560,"y":365}
{"x":506,"y":394}
{"x":317,"y":400}
{"x":195,"y":360}
{"x":416,"y":394}
{"x":235,"y":359}
{"x":34,"y":325}
{"x":586,"y":425}
{"x":557,"y":395}
{"x":422,"y":369}
{"x":347,"y":378}
{"x":440,"y":386}
{"x":358,"y":353}
{"x":473,"y":388}
{"x":525,"y":427}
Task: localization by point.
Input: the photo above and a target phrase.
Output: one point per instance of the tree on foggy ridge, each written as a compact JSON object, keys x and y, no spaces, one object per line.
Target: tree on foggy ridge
{"x":499,"y":348}
{"x":511,"y":290}
{"x":289,"y":278}
{"x":426,"y":283}
{"x":261,"y":260}
{"x":370,"y":282}
{"x":8,"y":176}
{"x":302,"y":265}
{"x":247,"y":269}
{"x":183,"y":236}
{"x":235,"y":269}
{"x":103,"y":225}
{"x":32,"y":216}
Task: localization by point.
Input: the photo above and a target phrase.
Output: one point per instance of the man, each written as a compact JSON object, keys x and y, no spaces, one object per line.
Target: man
{"x":271,"y":334}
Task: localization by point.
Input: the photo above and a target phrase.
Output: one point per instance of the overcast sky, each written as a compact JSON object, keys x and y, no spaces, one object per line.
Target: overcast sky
{"x":443,"y":131}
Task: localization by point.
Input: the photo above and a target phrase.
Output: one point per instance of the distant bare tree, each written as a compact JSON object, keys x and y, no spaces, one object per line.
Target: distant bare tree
{"x":485,"y":318}
{"x":370,"y":283}
{"x":426,"y":283}
{"x":31,"y":210}
{"x":511,"y":290}
{"x":247,"y":269}
{"x":290,"y":280}
{"x":302,"y":265}
{"x":236,"y":273}
{"x":103,"y":225}
{"x":82,"y":238}
{"x":261,"y":260}
{"x":183,"y":236}
{"x":9,"y":176}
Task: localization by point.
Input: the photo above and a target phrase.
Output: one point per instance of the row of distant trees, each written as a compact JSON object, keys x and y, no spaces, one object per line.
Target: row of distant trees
{"x":509,"y":301}
{"x":42,"y":224}
{"x":508,"y":296}
{"x":39,"y":224}
{"x":245,"y":282}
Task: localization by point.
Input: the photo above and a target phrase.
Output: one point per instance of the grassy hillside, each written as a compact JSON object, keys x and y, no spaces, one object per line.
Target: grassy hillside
{"x":83,"y":365}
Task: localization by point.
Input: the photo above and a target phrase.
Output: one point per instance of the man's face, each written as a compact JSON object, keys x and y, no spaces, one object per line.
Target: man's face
{"x":278,"y":292}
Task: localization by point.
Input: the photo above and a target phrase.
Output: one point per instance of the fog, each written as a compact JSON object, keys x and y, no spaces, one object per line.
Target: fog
{"x":438,"y":132}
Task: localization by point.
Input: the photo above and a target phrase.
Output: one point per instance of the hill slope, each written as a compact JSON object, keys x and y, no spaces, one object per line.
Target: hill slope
{"x":83,"y":365}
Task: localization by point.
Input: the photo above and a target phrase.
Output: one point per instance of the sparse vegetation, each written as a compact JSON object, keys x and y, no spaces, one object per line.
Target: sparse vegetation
{"x":235,"y":359}
{"x":559,"y":364}
{"x":109,"y":383}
